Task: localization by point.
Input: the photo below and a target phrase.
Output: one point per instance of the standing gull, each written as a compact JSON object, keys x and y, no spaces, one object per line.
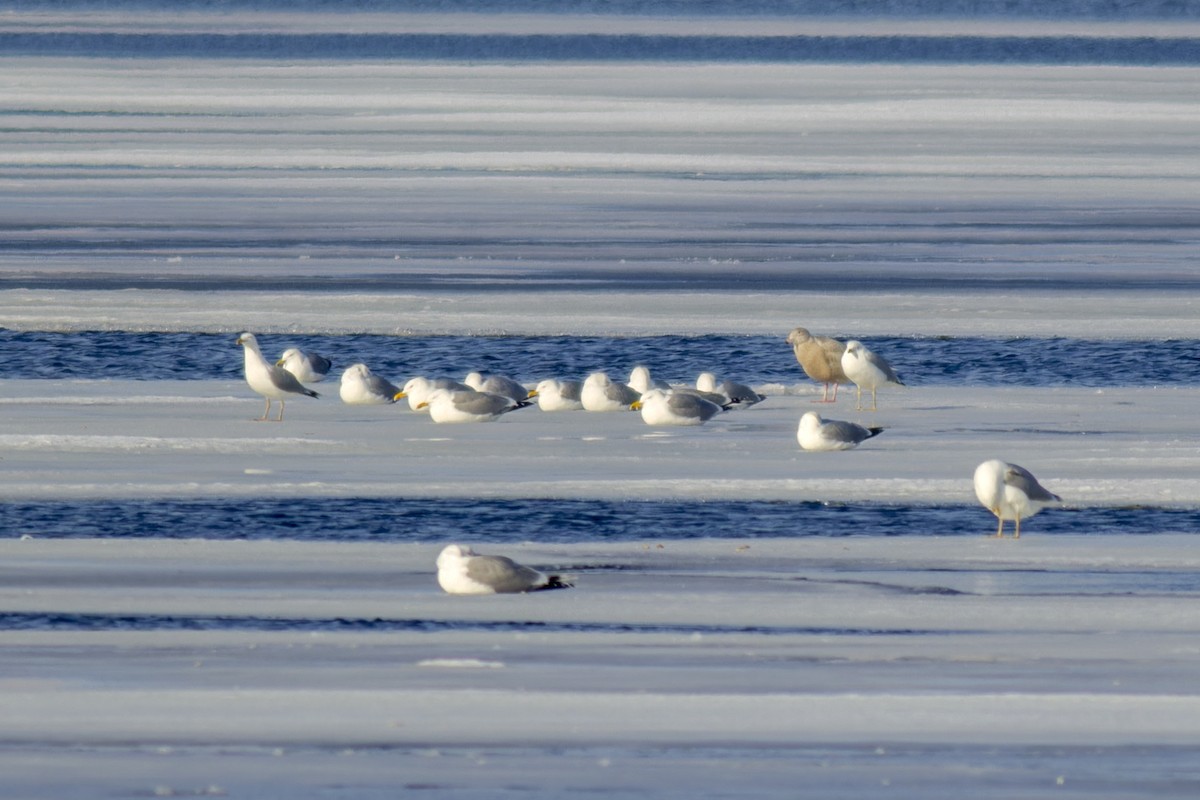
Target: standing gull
{"x":1010,"y":492}
{"x":307,"y":367}
{"x":821,"y":359}
{"x":669,"y":407}
{"x":468,"y":405}
{"x":361,"y":387}
{"x":816,"y":433}
{"x":600,"y":393}
{"x":463,"y":571}
{"x":272,"y":382}
{"x":868,"y":371}
{"x":556,"y":395}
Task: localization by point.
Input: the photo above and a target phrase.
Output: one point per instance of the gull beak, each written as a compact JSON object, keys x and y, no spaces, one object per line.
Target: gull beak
{"x":532,"y":393}
{"x":422,"y":405}
{"x":399,"y":396}
{"x":636,"y":405}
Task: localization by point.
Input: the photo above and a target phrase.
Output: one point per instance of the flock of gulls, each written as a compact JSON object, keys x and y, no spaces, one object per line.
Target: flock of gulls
{"x":1007,"y":490}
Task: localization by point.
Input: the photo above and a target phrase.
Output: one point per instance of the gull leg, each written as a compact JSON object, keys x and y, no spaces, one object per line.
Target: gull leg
{"x":874,"y":407}
{"x":1017,"y":528}
{"x":858,"y":405}
{"x":280,"y":417}
{"x":266,"y":410}
{"x":1000,"y":527}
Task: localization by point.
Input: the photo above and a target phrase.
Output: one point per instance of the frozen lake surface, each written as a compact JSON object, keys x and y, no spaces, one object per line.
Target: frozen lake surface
{"x":195,"y":604}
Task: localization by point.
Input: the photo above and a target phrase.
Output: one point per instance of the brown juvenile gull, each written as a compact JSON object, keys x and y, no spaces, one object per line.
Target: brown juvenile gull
{"x":821,"y":359}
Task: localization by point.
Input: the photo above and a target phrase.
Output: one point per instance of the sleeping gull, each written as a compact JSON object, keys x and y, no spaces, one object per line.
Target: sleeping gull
{"x":1010,"y":492}
{"x":307,"y":367}
{"x":497,"y":384}
{"x":463,"y":571}
{"x":641,"y":382}
{"x":361,"y":387}
{"x":737,"y":395}
{"x":816,"y":433}
{"x":867,"y":370}
{"x":417,"y":390}
{"x":600,"y":393}
{"x":821,"y":359}
{"x":556,"y":395}
{"x":272,"y":382}
{"x":660,"y":407}
{"x":446,"y":405}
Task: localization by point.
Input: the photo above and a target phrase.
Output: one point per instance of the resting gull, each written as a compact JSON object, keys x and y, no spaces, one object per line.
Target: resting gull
{"x":668,"y":407}
{"x":446,"y":405}
{"x":269,"y":380}
{"x":816,"y":433}
{"x":600,"y":393}
{"x":821,"y":359}
{"x":418,"y":389}
{"x":307,"y":367}
{"x":463,"y":571}
{"x":736,"y":395}
{"x":1010,"y":492}
{"x":361,"y":387}
{"x":641,"y":382}
{"x":867,"y":370}
{"x":497,"y":384}
{"x":556,"y":395}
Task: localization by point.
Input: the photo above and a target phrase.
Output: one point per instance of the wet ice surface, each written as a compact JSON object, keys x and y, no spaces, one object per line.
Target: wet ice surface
{"x":209,"y":606}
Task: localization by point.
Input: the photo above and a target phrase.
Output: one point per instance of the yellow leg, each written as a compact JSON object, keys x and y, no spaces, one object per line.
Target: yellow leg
{"x":1000,"y":527}
{"x":858,"y":405}
{"x":873,"y":406}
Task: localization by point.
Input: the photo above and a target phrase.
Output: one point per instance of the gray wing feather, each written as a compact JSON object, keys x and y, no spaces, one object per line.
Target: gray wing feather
{"x":482,"y":403}
{"x":378,"y":385}
{"x":1021,"y":478}
{"x":287,"y":382}
{"x":570,"y":390}
{"x":621,"y":393}
{"x":690,"y":405}
{"x":883,"y":366}
{"x":320,"y":364}
{"x":844,"y":431}
{"x":503,"y":574}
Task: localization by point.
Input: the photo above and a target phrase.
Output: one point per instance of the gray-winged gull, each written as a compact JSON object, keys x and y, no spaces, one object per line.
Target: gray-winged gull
{"x":1010,"y":492}
{"x":867,"y":370}
{"x":307,"y":367}
{"x":463,"y":571}
{"x":446,"y":405}
{"x":816,"y":433}
{"x":497,"y":384}
{"x":361,"y":387}
{"x":272,"y":382}
{"x":418,"y":389}
{"x":660,"y":407}
{"x":737,"y":395}
{"x":555,"y":395}
{"x":601,"y":393}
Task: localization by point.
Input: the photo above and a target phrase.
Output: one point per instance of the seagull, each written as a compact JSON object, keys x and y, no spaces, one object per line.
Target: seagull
{"x":556,"y":395}
{"x":361,"y":387}
{"x":600,"y":393}
{"x":737,"y":395}
{"x":463,"y":571}
{"x":1010,"y":492}
{"x":641,"y":382}
{"x":669,"y":407}
{"x":307,"y":367}
{"x":272,"y":382}
{"x":867,"y":370}
{"x":821,"y":359}
{"x":468,"y":405}
{"x":417,"y":390}
{"x":816,"y":433}
{"x":497,"y":384}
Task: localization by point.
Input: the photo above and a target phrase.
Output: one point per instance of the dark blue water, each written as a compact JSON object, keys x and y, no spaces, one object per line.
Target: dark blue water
{"x":901,"y":49}
{"x":492,"y":521}
{"x":942,"y":361}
